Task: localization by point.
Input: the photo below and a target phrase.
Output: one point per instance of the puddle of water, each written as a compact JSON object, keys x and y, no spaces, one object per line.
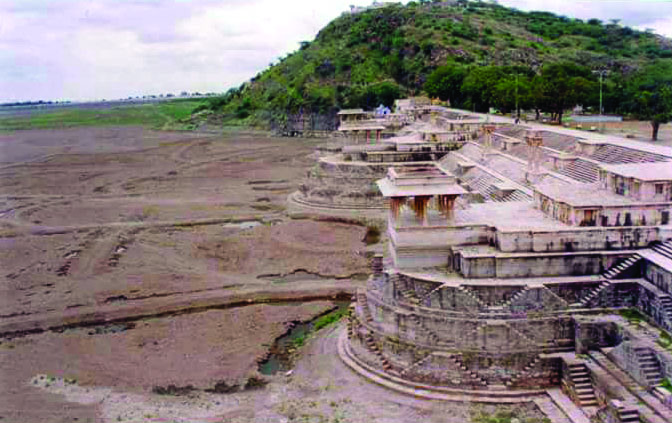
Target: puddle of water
{"x":243,"y":225}
{"x":281,"y":354}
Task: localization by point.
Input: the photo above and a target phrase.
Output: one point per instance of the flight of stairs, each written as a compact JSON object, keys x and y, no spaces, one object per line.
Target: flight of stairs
{"x":616,"y":270}
{"x":523,"y":373}
{"x":582,"y":385}
{"x":373,"y":348}
{"x":468,"y":374}
{"x":666,"y":303}
{"x":416,"y":365}
{"x":427,"y":297}
{"x":628,"y":415}
{"x":664,"y":249}
{"x":364,"y":303}
{"x":485,"y":184}
{"x":649,"y":366}
{"x":588,"y":299}
{"x":410,"y":296}
{"x":608,"y":153}
{"x":406,"y":291}
{"x":516,"y":296}
{"x":472,"y":295}
{"x":351,"y":321}
{"x":580,"y":170}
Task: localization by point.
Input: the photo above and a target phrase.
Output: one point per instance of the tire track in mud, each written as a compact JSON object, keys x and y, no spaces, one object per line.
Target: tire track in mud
{"x":76,"y":260}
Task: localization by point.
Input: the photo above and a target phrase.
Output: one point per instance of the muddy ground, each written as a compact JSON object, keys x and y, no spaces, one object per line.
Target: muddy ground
{"x":321,"y":389}
{"x":166,"y":234}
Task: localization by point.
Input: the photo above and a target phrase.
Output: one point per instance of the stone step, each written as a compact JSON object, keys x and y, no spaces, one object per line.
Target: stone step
{"x":586,"y":395}
{"x":583,"y":385}
{"x":628,"y":414}
{"x":588,"y":403}
{"x":647,"y":360}
{"x":650,"y":366}
{"x":584,"y":382}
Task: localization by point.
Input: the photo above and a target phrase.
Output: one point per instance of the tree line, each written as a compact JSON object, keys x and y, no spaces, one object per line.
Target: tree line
{"x":555,"y":88}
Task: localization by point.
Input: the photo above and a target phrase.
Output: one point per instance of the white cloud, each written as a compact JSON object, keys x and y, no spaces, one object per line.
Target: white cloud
{"x":87,"y":49}
{"x":660,"y":26}
{"x":91,"y":49}
{"x":635,"y":13}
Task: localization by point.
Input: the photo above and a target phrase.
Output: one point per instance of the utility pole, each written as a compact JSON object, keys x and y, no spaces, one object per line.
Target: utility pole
{"x":601,"y":72}
{"x":517,"y":110}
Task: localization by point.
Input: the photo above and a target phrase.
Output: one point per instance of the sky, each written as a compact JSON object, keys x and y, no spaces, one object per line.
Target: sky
{"x":93,"y":49}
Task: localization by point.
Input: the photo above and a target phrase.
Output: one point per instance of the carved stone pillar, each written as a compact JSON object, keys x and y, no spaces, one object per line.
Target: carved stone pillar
{"x":487,"y":140}
{"x":534,"y":142}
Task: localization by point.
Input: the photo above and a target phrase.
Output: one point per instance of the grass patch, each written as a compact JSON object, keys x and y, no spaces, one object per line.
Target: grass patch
{"x":299,"y":341}
{"x":168,"y":115}
{"x":330,"y":318}
{"x":150,"y":211}
{"x":632,"y":315}
{"x":320,"y":323}
{"x":667,"y":385}
{"x":506,"y":417}
{"x":665,"y":340}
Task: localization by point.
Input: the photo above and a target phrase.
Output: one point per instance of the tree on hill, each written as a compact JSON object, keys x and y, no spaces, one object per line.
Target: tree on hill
{"x":445,"y":83}
{"x":651,"y":95}
{"x":479,"y":87}
{"x":511,"y":91}
{"x":564,"y":85}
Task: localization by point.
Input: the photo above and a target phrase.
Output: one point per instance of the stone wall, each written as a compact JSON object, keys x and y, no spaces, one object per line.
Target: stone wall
{"x":651,"y":303}
{"x":525,"y":266}
{"x":626,"y":356}
{"x":427,"y":246}
{"x":580,"y":239}
{"x":332,"y":182}
{"x":593,"y":333}
{"x":658,"y":276}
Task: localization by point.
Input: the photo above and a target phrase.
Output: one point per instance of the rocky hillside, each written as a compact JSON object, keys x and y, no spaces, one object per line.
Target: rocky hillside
{"x":363,"y":59}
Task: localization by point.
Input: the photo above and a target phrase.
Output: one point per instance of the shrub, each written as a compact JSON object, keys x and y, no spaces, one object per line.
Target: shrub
{"x":372,"y":235}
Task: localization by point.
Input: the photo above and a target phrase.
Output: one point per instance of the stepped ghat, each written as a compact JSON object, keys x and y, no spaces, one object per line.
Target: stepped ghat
{"x":347,"y":168}
{"x":507,"y":262}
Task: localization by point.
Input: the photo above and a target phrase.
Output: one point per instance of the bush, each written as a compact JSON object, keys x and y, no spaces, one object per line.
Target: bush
{"x":255,"y":382}
{"x":372,"y":235}
{"x":222,"y":387}
{"x":173,"y":390}
{"x":200,"y":108}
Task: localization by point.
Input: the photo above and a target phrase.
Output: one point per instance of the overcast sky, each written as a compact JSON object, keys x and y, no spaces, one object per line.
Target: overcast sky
{"x":94,"y":49}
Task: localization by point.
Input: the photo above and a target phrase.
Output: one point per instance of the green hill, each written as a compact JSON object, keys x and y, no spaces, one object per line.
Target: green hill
{"x":381,"y":54}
